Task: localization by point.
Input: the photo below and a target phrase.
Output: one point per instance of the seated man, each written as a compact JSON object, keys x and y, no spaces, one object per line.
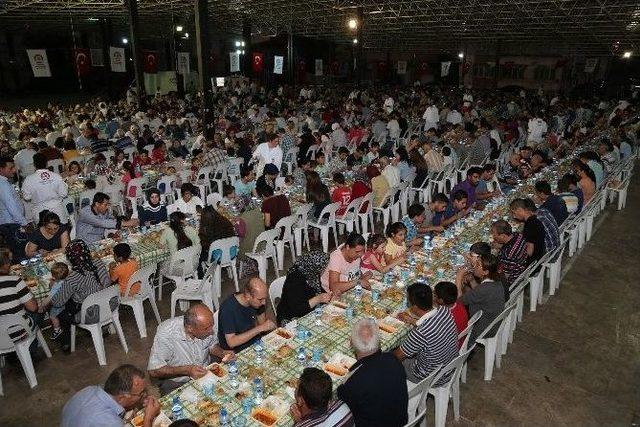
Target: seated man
{"x":434,"y":342}
{"x":343,"y":271}
{"x":182,"y":348}
{"x":97,"y":218}
{"x":246,"y":185}
{"x":483,"y":192}
{"x":571,"y":200}
{"x":268,"y":178}
{"x":512,"y":258}
{"x":456,"y":209}
{"x":242,"y":317}
{"x":415,"y":223}
{"x":551,"y":202}
{"x":469,"y":185}
{"x":314,"y":405}
{"x":523,"y":210}
{"x":376,"y":389}
{"x":124,"y":390}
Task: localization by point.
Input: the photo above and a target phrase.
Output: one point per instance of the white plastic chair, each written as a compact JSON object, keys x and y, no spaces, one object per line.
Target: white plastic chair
{"x":219,"y":176}
{"x":56,"y":165}
{"x":349,"y":219}
{"x":136,"y":302}
{"x":384,"y":209}
{"x":418,"y":395}
{"x":275,"y":291}
{"x":553,"y":267}
{"x":106,"y":317}
{"x":366,"y":217}
{"x":213,"y":199}
{"x":267,"y":238}
{"x":493,"y":345}
{"x":326,"y":222}
{"x":181,"y":266}
{"x":285,"y":226}
{"x":166,"y":184}
{"x":14,"y":322}
{"x":135,"y":191}
{"x":418,"y":419}
{"x":466,"y":334}
{"x":223,"y":253}
{"x":620,"y":191}
{"x":233,"y":169}
{"x":192,"y":290}
{"x":86,"y":198}
{"x":301,"y":230}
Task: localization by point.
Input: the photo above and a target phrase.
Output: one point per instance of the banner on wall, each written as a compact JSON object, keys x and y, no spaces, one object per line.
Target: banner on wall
{"x":318,"y":67}
{"x":278,"y":62}
{"x":82,"y":58}
{"x":234,"y":62}
{"x":444,"y":68}
{"x":184,"y":66}
{"x":257,"y":62}
{"x":402,"y":67}
{"x":39,"y":62}
{"x":590,"y":65}
{"x":97,"y":58}
{"x":150,"y":61}
{"x":116,"y":55}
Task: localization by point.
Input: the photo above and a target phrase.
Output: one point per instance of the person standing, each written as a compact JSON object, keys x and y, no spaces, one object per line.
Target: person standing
{"x":12,"y":218}
{"x":45,"y":189}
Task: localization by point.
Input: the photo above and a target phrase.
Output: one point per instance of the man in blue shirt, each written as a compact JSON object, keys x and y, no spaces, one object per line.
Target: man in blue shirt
{"x":456,"y":209}
{"x":469,"y":185}
{"x":551,"y":202}
{"x":105,"y":406}
{"x":12,"y":219}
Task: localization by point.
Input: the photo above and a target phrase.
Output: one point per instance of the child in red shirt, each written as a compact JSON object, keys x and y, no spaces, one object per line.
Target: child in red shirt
{"x":373,"y":258}
{"x":342,"y":193}
{"x":446,"y":294}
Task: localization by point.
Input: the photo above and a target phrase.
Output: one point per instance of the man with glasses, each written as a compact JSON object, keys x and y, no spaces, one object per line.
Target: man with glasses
{"x":182,"y":348}
{"x":243,"y":317}
{"x":125,"y":389}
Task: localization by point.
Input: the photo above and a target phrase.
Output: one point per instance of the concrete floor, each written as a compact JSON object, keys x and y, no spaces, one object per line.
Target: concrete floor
{"x":574,"y":362}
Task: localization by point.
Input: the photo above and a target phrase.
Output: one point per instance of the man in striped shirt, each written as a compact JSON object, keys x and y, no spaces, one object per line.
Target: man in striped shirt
{"x":512,"y":258}
{"x":433,"y":342}
{"x":314,"y":407}
{"x":15,"y":297}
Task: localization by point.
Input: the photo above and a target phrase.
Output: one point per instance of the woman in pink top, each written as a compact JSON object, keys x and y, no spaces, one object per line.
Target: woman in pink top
{"x":373,"y":258}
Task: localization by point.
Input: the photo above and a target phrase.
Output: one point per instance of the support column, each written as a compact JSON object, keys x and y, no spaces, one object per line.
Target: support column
{"x":175,"y":38}
{"x":496,"y":76}
{"x":105,"y":29}
{"x":358,"y":57}
{"x":203,"y":47}
{"x":132,"y":9}
{"x":247,"y":58}
{"x":290,"y":59}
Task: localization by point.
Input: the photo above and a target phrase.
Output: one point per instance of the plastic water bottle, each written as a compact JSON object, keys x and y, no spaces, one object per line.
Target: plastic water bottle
{"x":348,"y":312}
{"x":375,"y":295}
{"x":259,"y":348}
{"x":318,"y":313}
{"x":426,"y":244}
{"x":233,"y":375}
{"x":358,"y":292}
{"x":176,"y":409}
{"x":224,"y":417}
{"x":257,"y":391}
{"x":302,"y":356}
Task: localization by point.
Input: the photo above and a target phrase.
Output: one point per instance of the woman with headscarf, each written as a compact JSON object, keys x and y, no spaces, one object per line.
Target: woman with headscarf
{"x":87,"y":277}
{"x":153,"y":211}
{"x":302,"y":290}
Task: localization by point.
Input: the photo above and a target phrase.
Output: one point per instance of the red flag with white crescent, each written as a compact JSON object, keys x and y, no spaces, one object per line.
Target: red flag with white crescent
{"x":150,"y":61}
{"x":82,"y":59}
{"x":257,"y":63}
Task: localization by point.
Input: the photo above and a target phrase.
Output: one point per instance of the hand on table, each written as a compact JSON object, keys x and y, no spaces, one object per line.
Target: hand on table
{"x":229,"y":355}
{"x":406,"y":318}
{"x":295,"y":412}
{"x":267,"y":326}
{"x":196,"y":371}
{"x":151,"y":410}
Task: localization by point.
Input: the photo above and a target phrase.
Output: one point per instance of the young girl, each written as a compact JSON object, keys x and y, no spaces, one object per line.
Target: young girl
{"x":395,"y":247}
{"x":373,"y":258}
{"x":59,"y":272}
{"x":123,"y":268}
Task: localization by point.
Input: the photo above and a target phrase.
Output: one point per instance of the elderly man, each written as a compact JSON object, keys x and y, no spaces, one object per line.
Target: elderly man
{"x":97,"y":218}
{"x":182,"y":348}
{"x":243,"y":317}
{"x":314,"y":406}
{"x":125,"y":389}
{"x":376,"y":390}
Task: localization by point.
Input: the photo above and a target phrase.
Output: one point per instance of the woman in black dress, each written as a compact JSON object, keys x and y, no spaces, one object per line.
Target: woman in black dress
{"x":49,"y":236}
{"x":302,"y":289}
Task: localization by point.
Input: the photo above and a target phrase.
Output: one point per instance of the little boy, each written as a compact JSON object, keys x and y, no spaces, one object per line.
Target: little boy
{"x":123,"y":268}
{"x":59,"y":272}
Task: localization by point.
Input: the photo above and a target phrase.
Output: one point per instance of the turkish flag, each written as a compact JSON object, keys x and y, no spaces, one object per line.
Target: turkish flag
{"x":465,"y":67}
{"x":257,"y":62}
{"x":150,"y":61}
{"x":424,"y":68}
{"x":83,"y":61}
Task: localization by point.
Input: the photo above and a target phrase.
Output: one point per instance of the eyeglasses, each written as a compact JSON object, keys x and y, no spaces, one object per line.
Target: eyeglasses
{"x":140,"y":395}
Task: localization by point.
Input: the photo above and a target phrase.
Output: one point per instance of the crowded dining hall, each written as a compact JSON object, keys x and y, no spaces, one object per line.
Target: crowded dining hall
{"x":346,"y":241}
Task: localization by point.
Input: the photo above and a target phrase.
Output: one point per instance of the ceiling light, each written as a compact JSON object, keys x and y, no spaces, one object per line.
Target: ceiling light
{"x":237,"y":44}
{"x":627,"y":54}
{"x":186,"y":35}
{"x":179,"y":28}
{"x":355,"y":41}
{"x":461,"y":55}
{"x":125,"y":40}
{"x":353,"y":24}
{"x":242,"y":44}
{"x":243,"y":52}
{"x":238,"y":51}
{"x":92,"y":19}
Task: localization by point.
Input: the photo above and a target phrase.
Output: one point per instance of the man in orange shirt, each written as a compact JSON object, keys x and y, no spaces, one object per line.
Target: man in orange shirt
{"x":342,"y":193}
{"x":123,"y":268}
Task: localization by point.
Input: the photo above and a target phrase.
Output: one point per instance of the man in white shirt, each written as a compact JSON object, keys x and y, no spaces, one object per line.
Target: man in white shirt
{"x":269,"y":152}
{"x":536,"y":130}
{"x":388,"y":104}
{"x":454,"y":117}
{"x":45,"y":189}
{"x":431,"y":117}
{"x":188,"y":202}
{"x":338,"y":136}
{"x":394,"y":128}
{"x":24,"y":159}
{"x":390,"y":171}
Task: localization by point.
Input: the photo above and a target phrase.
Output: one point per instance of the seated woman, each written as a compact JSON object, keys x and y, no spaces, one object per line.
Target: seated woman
{"x":117,"y":160}
{"x":317,"y":193}
{"x":213,"y":226}
{"x":48,"y":237}
{"x":274,"y":207}
{"x":379,"y":184}
{"x":153,"y":211}
{"x":302,"y":289}
{"x":179,"y":235}
{"x":396,"y":247}
{"x":87,"y":277}
{"x":373,"y":258}
{"x":97,"y":165}
{"x":188,"y":203}
{"x":73,"y":170}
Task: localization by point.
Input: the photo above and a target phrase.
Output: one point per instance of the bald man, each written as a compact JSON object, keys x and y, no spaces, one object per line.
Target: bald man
{"x":243,"y":317}
{"x":183,"y":347}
